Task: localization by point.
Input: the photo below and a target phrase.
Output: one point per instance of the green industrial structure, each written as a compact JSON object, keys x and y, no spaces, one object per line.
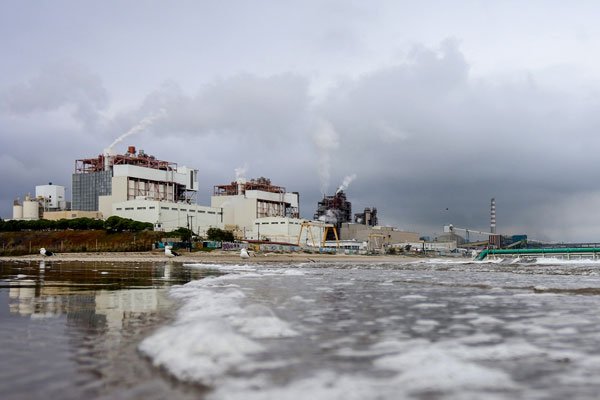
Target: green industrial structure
{"x":566,"y":251}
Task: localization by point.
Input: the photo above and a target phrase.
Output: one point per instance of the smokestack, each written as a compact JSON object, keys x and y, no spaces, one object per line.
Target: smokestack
{"x":493,"y":216}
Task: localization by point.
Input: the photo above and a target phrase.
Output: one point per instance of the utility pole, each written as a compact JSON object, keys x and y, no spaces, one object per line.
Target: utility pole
{"x":190,"y":226}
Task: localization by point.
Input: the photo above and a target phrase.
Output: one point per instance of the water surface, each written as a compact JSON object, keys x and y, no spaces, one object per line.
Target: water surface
{"x":418,"y":330}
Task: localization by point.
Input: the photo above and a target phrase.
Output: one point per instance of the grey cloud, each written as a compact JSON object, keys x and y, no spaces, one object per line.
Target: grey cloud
{"x":422,"y":136}
{"x":57,"y":86}
{"x":425,"y":136}
{"x":272,"y":108}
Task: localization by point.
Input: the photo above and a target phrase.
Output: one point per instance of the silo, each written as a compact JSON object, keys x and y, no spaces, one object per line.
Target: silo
{"x":17,"y":210}
{"x":31,"y":209}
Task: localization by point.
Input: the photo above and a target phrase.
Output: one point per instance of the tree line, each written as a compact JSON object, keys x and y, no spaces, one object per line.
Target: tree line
{"x":112,"y":224}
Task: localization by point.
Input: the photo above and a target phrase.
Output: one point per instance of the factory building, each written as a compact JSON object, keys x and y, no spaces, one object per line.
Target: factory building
{"x":245,"y":201}
{"x":367,"y":217}
{"x":139,"y":186}
{"x":52,"y":197}
{"x":289,"y":230}
{"x":48,"y":199}
{"x":385,"y":235}
{"x":168,"y":216}
{"x":335,"y":210}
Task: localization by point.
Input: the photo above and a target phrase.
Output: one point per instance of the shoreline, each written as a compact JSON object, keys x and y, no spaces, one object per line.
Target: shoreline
{"x":209,"y":258}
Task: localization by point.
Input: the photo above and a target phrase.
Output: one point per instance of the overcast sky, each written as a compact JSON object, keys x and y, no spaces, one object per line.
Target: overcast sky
{"x":435,"y":106}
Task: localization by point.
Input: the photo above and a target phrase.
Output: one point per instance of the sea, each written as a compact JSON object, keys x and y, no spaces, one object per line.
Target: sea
{"x":403,"y":329}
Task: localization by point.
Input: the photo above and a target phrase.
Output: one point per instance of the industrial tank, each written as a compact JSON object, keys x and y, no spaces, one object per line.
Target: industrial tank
{"x":31,"y":209}
{"x":17,"y":211}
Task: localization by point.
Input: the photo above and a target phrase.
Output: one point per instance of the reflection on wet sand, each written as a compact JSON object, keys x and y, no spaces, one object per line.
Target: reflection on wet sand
{"x":71,"y":328}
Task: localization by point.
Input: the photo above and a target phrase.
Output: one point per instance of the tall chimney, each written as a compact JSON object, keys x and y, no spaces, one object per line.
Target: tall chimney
{"x":493,"y":216}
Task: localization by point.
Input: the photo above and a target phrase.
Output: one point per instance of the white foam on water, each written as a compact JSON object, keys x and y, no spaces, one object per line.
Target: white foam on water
{"x":259,"y":322}
{"x":516,"y":349}
{"x":560,"y":261}
{"x":213,"y":333}
{"x":486,"y":320}
{"x":200,"y":352}
{"x":529,"y":328}
{"x":484,"y":297}
{"x":480,"y":338}
{"x":322,"y":385}
{"x":435,"y":367}
{"x":413,"y":297}
{"x":427,"y":322}
{"x":223,"y":267}
{"x":430,"y":305}
{"x":424,"y":325}
{"x":444,"y":261}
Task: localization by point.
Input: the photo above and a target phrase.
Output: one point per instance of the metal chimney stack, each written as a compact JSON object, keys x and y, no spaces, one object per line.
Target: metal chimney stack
{"x":493,"y":216}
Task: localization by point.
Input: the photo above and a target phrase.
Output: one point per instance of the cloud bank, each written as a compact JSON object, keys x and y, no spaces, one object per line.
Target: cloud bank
{"x":430,"y":143}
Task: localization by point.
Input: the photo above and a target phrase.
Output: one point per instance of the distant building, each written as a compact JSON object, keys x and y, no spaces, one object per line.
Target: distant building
{"x":48,"y":198}
{"x":52,"y":197}
{"x":383,"y":235}
{"x":289,"y":230}
{"x":139,"y":186}
{"x":335,"y":210}
{"x":367,"y":217}
{"x":244,"y":201}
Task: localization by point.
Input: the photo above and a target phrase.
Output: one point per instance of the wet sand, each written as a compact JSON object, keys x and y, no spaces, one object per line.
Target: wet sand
{"x":210,"y":258}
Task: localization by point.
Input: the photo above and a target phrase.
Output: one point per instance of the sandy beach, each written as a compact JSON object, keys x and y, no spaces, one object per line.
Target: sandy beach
{"x":209,"y":258}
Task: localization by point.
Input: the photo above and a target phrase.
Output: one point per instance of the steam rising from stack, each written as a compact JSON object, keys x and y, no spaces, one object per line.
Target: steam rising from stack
{"x":240,"y":173}
{"x":143,"y":124}
{"x":329,"y":217}
{"x":347,"y":181}
{"x":326,"y":139}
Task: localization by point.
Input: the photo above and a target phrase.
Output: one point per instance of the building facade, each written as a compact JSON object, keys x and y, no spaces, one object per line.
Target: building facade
{"x":245,"y":201}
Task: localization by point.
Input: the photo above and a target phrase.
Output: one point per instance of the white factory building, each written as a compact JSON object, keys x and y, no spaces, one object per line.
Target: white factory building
{"x":244,"y":201}
{"x":140,"y":187}
{"x":48,"y":198}
{"x":167,"y":216}
{"x":52,"y":196}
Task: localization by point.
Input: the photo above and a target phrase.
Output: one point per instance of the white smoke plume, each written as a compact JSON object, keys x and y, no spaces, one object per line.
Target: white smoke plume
{"x":143,"y":124}
{"x":326,"y":139}
{"x":347,"y":181}
{"x":329,"y":217}
{"x":240,"y":173}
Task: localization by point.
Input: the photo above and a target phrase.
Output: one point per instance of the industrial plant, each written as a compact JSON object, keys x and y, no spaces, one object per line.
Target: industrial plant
{"x":141,"y":187}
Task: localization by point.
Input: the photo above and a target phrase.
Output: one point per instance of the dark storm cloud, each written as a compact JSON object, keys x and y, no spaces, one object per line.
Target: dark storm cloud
{"x":425,"y":136}
{"x":41,"y":121}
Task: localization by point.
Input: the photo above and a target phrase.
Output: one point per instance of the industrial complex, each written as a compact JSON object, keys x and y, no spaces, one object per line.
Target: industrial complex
{"x":144,"y":188}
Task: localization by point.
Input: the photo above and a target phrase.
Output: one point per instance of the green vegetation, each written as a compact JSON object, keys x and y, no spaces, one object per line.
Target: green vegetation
{"x":219,"y":235}
{"x":112,"y":224}
{"x":76,"y":235}
{"x":118,"y":224}
{"x":183,"y":233}
{"x":74,"y":241}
